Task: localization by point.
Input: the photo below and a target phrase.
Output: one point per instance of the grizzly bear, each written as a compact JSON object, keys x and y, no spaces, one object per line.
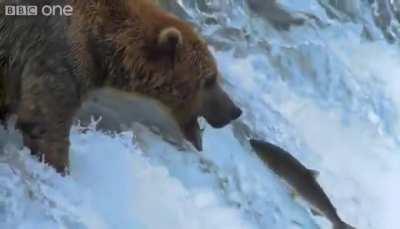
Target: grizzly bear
{"x":53,"y":62}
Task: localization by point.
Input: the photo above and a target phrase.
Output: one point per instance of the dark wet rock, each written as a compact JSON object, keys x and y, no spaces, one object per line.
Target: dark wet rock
{"x":349,"y":7}
{"x":274,"y":13}
{"x":386,"y":17}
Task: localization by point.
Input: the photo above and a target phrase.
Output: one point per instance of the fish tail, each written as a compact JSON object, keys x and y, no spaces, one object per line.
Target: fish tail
{"x":343,"y":225}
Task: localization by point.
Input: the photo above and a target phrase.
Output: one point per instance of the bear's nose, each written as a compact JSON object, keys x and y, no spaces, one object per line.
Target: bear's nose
{"x":237,"y":112}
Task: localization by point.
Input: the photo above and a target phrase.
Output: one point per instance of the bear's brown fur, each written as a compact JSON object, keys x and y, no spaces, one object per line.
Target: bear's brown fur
{"x":3,"y":108}
{"x":132,"y":46}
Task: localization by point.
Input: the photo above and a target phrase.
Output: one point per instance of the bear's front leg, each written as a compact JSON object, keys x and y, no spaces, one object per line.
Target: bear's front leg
{"x":50,"y":146}
{"x":49,"y":99}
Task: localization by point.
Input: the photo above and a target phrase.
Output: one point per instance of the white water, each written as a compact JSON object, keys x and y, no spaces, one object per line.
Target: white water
{"x":323,"y":92}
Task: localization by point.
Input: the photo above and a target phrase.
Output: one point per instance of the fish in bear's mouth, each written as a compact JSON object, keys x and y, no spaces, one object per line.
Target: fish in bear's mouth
{"x":193,"y":133}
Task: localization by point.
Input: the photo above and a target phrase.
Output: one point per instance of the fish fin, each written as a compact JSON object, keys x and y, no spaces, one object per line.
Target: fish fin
{"x":315,"y":212}
{"x":314,"y":173}
{"x":343,"y":225}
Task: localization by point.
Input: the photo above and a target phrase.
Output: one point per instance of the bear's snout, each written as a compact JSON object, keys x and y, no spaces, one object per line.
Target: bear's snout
{"x":219,"y":109}
{"x":237,"y":112}
{"x":219,"y":121}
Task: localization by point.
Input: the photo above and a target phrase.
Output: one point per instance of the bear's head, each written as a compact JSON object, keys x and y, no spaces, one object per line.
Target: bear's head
{"x":160,"y":56}
{"x":188,"y":83}
{"x":198,"y":92}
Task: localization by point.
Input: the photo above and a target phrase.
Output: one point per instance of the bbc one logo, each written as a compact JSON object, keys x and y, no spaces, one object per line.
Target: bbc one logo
{"x":46,"y":10}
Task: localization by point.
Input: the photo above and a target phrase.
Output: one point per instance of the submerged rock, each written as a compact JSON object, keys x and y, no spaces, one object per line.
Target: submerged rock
{"x":118,"y":112}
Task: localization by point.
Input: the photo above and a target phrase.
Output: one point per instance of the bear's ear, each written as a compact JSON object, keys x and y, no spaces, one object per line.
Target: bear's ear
{"x":169,"y":39}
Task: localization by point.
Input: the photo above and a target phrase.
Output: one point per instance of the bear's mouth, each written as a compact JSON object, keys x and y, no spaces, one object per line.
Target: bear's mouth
{"x":193,"y":133}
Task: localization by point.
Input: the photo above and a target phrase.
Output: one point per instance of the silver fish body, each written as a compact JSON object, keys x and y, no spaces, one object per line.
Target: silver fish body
{"x":301,"y":179}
